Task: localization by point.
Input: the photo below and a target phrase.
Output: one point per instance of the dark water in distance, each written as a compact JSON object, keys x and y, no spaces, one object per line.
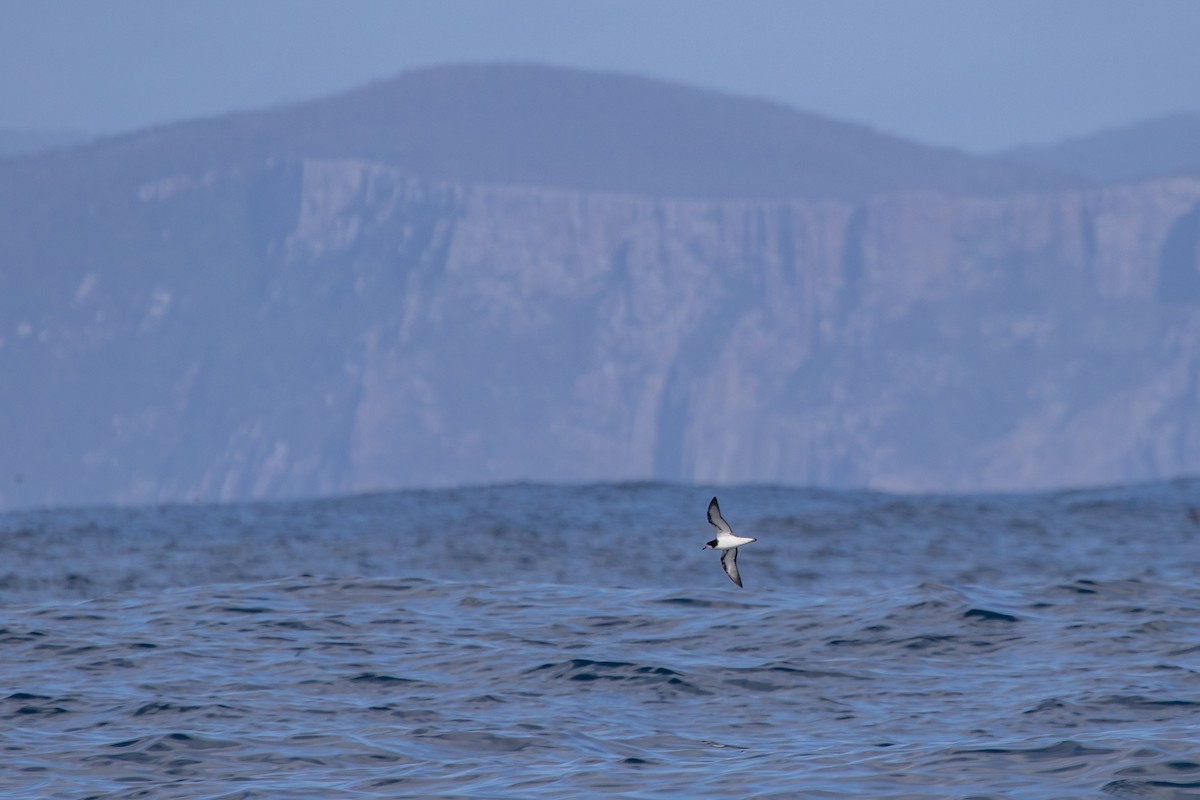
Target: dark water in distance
{"x":574,"y":641}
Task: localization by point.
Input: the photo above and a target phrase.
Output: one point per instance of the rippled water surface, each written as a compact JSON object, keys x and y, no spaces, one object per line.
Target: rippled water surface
{"x":534,"y":641}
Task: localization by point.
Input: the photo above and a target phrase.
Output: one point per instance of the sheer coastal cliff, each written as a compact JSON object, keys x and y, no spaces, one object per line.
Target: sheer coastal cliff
{"x":311,"y":325}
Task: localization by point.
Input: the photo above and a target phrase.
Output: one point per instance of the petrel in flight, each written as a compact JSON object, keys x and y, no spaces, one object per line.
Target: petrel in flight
{"x":726,"y":540}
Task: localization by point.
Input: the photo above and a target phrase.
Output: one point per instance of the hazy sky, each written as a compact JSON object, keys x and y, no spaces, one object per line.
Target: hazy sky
{"x":972,"y":74}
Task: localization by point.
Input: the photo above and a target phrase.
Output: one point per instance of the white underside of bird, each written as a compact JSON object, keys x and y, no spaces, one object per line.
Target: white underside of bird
{"x":727,"y":541}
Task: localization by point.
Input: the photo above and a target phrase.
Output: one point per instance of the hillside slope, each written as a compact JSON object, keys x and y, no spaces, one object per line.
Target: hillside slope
{"x":1150,"y":149}
{"x":198,"y":313}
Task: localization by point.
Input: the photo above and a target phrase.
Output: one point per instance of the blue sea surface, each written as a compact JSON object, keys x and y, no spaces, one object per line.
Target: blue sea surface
{"x":535,"y":641}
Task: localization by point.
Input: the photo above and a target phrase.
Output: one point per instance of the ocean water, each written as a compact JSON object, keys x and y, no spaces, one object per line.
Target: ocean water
{"x":533,"y":641}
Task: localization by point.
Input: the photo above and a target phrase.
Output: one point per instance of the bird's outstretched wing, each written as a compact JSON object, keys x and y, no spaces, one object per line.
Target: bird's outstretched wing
{"x":729,"y":562}
{"x":715,"y":518}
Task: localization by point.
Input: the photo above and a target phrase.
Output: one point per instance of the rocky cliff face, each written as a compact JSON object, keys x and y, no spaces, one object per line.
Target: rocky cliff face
{"x":319,"y":326}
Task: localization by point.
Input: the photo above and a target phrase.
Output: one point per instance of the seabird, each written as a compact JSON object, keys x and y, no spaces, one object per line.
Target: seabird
{"x":726,"y":540}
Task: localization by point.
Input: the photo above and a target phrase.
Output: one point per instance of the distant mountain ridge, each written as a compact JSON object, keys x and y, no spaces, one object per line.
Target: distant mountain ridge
{"x":1168,"y":145}
{"x":523,"y":124}
{"x":308,"y":300}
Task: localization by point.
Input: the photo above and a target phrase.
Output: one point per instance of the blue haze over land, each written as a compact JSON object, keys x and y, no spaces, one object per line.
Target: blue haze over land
{"x":516,"y":272}
{"x":981,"y":76}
